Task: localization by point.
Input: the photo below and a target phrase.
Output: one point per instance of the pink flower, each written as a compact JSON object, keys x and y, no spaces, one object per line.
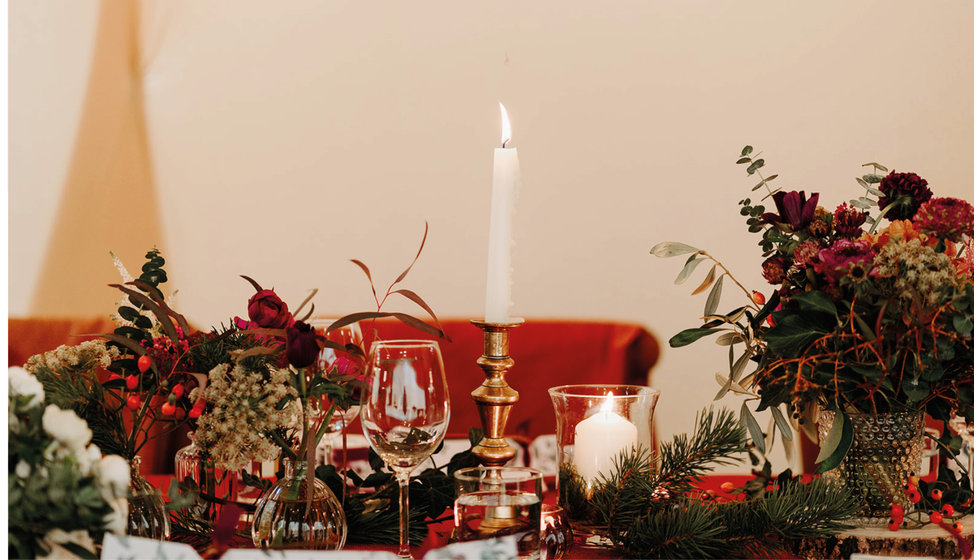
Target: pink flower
{"x":853,"y":259}
{"x":806,"y":252}
{"x":848,"y":221}
{"x":949,"y":218}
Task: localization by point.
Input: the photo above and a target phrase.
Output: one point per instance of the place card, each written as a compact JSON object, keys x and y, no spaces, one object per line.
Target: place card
{"x":503,"y":548}
{"x":136,"y":548}
{"x":259,"y":554}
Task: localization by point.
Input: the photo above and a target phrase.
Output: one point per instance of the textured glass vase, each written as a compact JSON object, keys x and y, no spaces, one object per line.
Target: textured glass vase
{"x":286,"y":518}
{"x":148,"y":515}
{"x":191,"y":462}
{"x":886,"y":450}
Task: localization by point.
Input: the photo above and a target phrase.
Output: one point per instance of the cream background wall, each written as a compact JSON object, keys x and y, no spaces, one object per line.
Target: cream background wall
{"x":284,"y":141}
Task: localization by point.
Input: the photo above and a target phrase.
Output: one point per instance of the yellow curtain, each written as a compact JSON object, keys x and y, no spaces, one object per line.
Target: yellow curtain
{"x":109,"y":200}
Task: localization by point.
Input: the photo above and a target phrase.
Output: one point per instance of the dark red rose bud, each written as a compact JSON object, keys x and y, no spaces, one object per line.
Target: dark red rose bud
{"x":266,"y":310}
{"x":301,"y":346}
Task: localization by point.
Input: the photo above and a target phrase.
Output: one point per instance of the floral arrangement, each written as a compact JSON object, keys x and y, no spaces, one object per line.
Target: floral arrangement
{"x":63,"y":495}
{"x":871,"y":310}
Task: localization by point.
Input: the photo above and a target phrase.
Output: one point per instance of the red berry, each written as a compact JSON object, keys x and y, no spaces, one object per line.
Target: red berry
{"x":167,"y":409}
{"x":894,"y":524}
{"x":133,"y":402}
{"x":915,"y":496}
{"x":758,"y":298}
{"x":132,"y":382}
{"x":178,"y":391}
{"x":936,"y":517}
{"x":936,"y":494}
{"x":947,"y":510}
{"x":180,"y":413}
{"x":727,"y":487}
{"x":958,"y":527}
{"x":897,"y":511}
{"x":143,"y":363}
{"x":194,"y":412}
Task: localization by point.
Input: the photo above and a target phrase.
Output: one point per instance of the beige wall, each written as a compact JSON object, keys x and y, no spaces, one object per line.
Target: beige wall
{"x":285,"y":141}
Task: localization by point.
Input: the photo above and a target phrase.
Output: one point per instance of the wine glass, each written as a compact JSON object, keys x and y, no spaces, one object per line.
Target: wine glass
{"x":329,"y":358}
{"x":405,"y":411}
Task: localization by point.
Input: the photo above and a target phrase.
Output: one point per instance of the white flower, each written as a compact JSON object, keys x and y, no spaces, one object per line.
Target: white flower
{"x":115,"y":522}
{"x":66,"y":427}
{"x":88,"y":459}
{"x":114,"y":479}
{"x":22,"y":470}
{"x":24,"y":384}
{"x":56,"y":537}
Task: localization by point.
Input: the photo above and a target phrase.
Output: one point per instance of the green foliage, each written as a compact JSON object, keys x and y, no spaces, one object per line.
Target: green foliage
{"x":647,"y":510}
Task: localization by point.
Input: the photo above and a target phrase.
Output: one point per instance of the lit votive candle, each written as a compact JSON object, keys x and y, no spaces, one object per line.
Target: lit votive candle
{"x":599,"y":439}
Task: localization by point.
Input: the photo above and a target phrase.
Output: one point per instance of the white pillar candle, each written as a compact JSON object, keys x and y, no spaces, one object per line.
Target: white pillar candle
{"x":599,"y":439}
{"x":506,"y":182}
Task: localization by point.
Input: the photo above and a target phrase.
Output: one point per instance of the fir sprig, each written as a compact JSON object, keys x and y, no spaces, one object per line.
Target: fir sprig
{"x":646,"y":508}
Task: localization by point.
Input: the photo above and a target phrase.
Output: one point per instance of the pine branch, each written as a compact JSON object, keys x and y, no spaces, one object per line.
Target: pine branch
{"x":690,"y":530}
{"x":619,"y":500}
{"x":715,"y":441}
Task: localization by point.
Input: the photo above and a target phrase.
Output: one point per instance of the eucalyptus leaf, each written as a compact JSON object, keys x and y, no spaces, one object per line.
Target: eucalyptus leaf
{"x":672,"y":249}
{"x":688,"y":336}
{"x":862,"y":182}
{"x":689,"y":266}
{"x":750,"y":423}
{"x":714,"y":296}
{"x":781,"y":423}
{"x":707,"y":281}
{"x":729,"y":339}
{"x":746,"y":150}
{"x":742,"y":160}
{"x":844,"y":439}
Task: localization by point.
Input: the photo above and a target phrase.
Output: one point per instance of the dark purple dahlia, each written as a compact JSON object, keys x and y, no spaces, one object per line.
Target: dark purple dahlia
{"x":795,"y":209}
{"x":907,"y":190}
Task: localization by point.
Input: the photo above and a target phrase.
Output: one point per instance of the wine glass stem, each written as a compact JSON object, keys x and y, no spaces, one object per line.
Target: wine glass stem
{"x":403,"y":514}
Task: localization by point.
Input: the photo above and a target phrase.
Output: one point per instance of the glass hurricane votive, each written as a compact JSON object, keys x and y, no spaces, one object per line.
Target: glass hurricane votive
{"x":595,"y":423}
{"x":498,"y":502}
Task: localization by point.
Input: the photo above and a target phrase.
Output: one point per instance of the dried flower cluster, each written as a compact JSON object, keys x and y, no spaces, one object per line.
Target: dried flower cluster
{"x":84,"y":356}
{"x":242,"y":412}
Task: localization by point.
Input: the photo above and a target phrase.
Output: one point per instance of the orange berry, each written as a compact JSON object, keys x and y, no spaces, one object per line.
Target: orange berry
{"x":143,"y":363}
{"x":958,"y":527}
{"x":727,"y":487}
{"x":758,"y":298}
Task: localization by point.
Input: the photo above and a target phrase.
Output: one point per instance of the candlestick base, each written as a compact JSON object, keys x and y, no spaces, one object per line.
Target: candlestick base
{"x":494,"y":398}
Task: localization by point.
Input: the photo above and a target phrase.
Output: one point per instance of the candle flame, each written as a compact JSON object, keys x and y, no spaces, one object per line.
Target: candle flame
{"x":607,"y":406}
{"x":504,"y":126}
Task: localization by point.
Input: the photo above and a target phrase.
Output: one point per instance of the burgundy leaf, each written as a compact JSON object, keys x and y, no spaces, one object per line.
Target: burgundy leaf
{"x":254,"y":284}
{"x":419,"y":324}
{"x":404,"y":274}
{"x":417,"y":299}
{"x":367,"y":272}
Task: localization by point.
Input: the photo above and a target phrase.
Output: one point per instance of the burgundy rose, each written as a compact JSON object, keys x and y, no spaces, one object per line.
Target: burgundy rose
{"x":795,"y":209}
{"x":301,"y":345}
{"x":907,"y":191}
{"x":266,"y":310}
{"x":848,"y":221}
{"x":853,"y":259}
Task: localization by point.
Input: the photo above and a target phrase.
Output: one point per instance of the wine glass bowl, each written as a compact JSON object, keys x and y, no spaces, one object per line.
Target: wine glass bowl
{"x":329,"y":358}
{"x":405,"y":411}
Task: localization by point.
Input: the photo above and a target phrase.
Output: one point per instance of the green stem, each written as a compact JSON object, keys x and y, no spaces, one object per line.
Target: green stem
{"x":884,"y":211}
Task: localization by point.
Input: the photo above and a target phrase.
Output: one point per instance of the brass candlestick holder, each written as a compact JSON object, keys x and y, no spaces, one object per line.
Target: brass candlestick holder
{"x":494,"y":398}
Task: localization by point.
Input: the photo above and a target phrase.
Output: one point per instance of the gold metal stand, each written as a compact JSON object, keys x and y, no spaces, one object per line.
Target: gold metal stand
{"x":495,"y":398}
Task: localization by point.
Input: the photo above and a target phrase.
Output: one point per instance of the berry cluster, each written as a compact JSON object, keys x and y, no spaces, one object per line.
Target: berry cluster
{"x":936,"y":516}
